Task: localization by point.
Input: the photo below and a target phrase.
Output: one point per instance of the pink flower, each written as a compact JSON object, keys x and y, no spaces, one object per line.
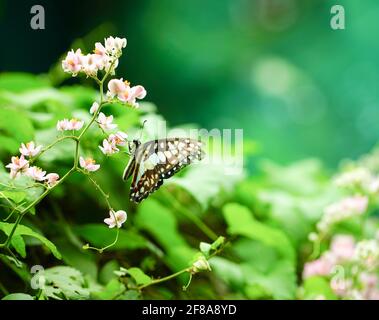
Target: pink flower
{"x":351,"y":205}
{"x":106,"y":122}
{"x":29,"y":149}
{"x":320,"y":267}
{"x":114,"y":46}
{"x":88,"y":164}
{"x":17,"y":165}
{"x":118,"y":139}
{"x":72,"y":62}
{"x":100,"y":50}
{"x":36,"y":173}
{"x":94,"y":108}
{"x":108,"y":148}
{"x":91,"y":63}
{"x":116,"y":218}
{"x":343,"y":247}
{"x":117,"y":87}
{"x":125,"y":93}
{"x":63,"y":125}
{"x":73,"y":124}
{"x":52,"y":179}
{"x":341,"y":211}
{"x":136,"y":92}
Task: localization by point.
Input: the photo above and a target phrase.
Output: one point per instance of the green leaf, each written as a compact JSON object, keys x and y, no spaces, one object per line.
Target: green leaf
{"x":18,"y":244}
{"x":79,"y":259}
{"x":279,"y":282}
{"x":139,"y":276}
{"x":16,"y":196}
{"x":112,"y":290}
{"x":218,"y":243}
{"x":21,"y":189}
{"x":20,"y":128}
{"x":18,"y":296}
{"x":317,"y":287}
{"x":9,"y":144}
{"x":64,"y":283}
{"x":26,"y":231}
{"x":230,"y":272}
{"x":161,"y":223}
{"x":99,"y":235}
{"x":205,"y":181}
{"x":107,"y":271}
{"x":240,"y":221}
{"x":18,"y":81}
{"x":205,"y":248}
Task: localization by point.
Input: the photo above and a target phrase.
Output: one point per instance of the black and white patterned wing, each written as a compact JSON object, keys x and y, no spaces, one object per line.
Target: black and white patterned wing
{"x":158,"y":160}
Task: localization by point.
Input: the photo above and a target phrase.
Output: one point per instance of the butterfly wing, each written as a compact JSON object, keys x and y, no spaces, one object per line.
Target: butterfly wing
{"x":160,"y":159}
{"x":129,"y":168}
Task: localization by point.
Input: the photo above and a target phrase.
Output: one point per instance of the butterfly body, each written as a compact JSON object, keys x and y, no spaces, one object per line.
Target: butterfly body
{"x":156,"y":160}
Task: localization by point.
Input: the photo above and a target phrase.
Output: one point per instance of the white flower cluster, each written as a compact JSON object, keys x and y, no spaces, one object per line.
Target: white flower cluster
{"x":104,"y":57}
{"x":19,"y":165}
{"x":359,"y":177}
{"x":342,"y":210}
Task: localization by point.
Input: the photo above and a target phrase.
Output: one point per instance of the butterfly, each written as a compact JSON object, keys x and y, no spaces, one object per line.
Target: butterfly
{"x":156,"y":160}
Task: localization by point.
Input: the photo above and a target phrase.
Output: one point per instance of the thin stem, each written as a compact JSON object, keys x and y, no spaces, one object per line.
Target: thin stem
{"x":13,"y":211}
{"x":171,"y":276}
{"x":21,"y":272}
{"x":9,"y":238}
{"x":195,"y":219}
{"x":75,"y":138}
{"x":34,"y":185}
{"x":97,"y":187}
{"x":76,"y":157}
{"x":101,"y":103}
{"x":188,"y":269}
{"x":74,"y":167}
{"x":31,"y":205}
{"x":106,"y":197}
{"x":8,"y":200}
{"x":101,"y":250}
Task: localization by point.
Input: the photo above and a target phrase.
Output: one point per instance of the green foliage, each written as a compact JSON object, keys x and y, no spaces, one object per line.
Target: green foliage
{"x":315,"y":287}
{"x":241,"y":222}
{"x":139,"y":276}
{"x":18,"y":296}
{"x":64,"y":283}
{"x":253,"y":230}
{"x":26,"y":231}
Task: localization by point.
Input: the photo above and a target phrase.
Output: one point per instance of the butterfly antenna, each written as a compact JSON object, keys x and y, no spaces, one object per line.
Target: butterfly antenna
{"x":142,"y":127}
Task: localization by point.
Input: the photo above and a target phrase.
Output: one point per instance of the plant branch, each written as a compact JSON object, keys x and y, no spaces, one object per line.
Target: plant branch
{"x":77,"y":140}
{"x":72,"y":137}
{"x":171,"y":276}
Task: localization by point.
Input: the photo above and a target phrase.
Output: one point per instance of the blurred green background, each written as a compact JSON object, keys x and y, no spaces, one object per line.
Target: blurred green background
{"x":305,"y":95}
{"x":272,"y":67}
